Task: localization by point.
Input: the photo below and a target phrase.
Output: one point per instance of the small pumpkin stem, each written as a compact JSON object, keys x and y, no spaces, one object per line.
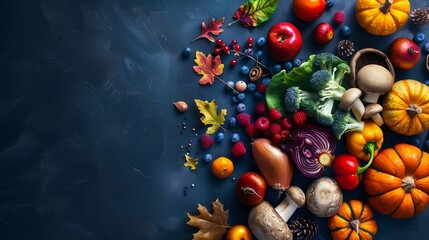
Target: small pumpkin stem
{"x":355,"y":225}
{"x":413,"y":110}
{"x":408,"y":184}
{"x":385,"y":7}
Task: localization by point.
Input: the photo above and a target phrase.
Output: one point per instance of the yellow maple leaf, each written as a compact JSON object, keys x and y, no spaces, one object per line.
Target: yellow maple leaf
{"x":210,"y":115}
{"x":191,"y":162}
{"x":211,"y":226}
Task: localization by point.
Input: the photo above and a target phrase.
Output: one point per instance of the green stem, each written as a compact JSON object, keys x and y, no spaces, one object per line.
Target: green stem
{"x":370,"y":148}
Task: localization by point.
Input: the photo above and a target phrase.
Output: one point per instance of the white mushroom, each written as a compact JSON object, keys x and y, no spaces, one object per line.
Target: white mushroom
{"x":268,"y":223}
{"x":373,"y":111}
{"x":351,"y":101}
{"x":324,"y":197}
{"x":374,"y":80}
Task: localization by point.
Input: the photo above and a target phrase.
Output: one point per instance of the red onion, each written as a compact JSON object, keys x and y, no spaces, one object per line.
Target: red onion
{"x":311,"y":148}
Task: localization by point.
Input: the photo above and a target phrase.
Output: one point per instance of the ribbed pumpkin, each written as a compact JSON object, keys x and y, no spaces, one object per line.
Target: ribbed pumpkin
{"x":397,"y":183}
{"x":382,"y":17}
{"x":406,"y":107}
{"x":354,"y":221}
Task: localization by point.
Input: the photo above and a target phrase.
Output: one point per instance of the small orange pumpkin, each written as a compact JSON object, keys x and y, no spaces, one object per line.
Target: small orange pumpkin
{"x":354,"y":221}
{"x":397,"y":183}
{"x":382,"y":17}
{"x":406,"y":107}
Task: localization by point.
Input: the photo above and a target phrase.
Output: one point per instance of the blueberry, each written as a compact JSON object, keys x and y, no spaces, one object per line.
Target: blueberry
{"x":296,"y":62}
{"x":241,"y":107}
{"x":249,"y":51}
{"x":235,"y":137}
{"x":345,"y":31}
{"x":259,"y":55}
{"x":235,"y":99}
{"x":426,"y":47}
{"x":244,"y":70}
{"x":251,"y":87}
{"x":220,"y":137}
{"x":186,"y":52}
{"x":241,"y":96}
{"x":261,"y":41}
{"x":419,"y":37}
{"x":258,"y":96}
{"x":415,"y":141}
{"x":329,"y":3}
{"x":232,"y":121}
{"x":287,"y":66}
{"x":230,"y":86}
{"x":275,"y":69}
{"x":207,"y":157}
{"x":266,"y":81}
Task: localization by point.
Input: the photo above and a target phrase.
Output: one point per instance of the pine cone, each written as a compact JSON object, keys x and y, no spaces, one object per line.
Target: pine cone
{"x":419,"y":16}
{"x":304,"y":228}
{"x":345,"y":48}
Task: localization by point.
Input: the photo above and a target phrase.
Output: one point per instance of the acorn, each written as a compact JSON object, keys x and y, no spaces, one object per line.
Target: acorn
{"x":419,"y":16}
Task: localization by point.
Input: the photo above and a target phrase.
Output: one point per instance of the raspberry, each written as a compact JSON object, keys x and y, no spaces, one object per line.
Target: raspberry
{"x":243,"y":119}
{"x":250,"y":129}
{"x":261,"y":108}
{"x":261,"y":88}
{"x":277,"y":138}
{"x":339,"y":17}
{"x":262,"y":124}
{"x":299,"y":118}
{"x":275,"y":114}
{"x":239,"y":150}
{"x":284,"y":134}
{"x":286,"y":123}
{"x":275,"y":128}
{"x":206,"y":140}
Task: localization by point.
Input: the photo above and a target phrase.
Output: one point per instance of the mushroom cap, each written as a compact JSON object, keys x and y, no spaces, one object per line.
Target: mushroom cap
{"x":374,"y":78}
{"x":372,"y":109}
{"x":297,"y":195}
{"x":324,"y":197}
{"x":266,"y":224}
{"x":349,"y":97}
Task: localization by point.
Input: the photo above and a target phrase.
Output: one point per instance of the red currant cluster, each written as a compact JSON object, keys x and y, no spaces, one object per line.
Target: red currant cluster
{"x":222,"y":47}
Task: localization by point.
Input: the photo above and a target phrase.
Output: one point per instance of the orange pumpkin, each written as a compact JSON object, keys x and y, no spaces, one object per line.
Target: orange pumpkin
{"x":406,"y":107}
{"x":354,"y":221}
{"x":382,"y":17}
{"x":397,"y":183}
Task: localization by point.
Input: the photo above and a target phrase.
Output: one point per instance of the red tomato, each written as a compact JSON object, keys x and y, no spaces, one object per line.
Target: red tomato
{"x":251,"y":188}
{"x":308,"y":10}
{"x":239,"y":232}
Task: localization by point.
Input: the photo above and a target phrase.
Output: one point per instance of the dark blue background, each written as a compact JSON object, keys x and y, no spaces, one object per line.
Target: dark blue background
{"x":90,"y":141}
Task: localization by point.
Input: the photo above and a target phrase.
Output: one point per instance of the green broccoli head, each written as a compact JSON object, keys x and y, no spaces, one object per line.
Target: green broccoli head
{"x":320,"y":110}
{"x":344,"y":122}
{"x":294,"y":96}
{"x":319,"y":79}
{"x":342,"y":70}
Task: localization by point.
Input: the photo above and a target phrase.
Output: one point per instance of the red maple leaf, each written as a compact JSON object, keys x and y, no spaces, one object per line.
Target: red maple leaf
{"x":208,"y":66}
{"x":213,"y":28}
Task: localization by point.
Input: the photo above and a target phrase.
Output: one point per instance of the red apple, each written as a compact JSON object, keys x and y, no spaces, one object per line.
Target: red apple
{"x":323,"y":33}
{"x":404,"y":53}
{"x":284,"y":41}
{"x":308,"y":10}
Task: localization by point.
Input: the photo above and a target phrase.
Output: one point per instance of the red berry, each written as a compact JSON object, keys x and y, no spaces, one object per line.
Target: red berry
{"x":339,"y":17}
{"x":239,"y":149}
{"x":285,"y":133}
{"x":262,"y":124}
{"x":250,"y":40}
{"x":251,"y":130}
{"x":225,"y":49}
{"x":261,"y":88}
{"x":233,"y":42}
{"x":261,"y":108}
{"x":219,"y":42}
{"x":277,"y":138}
{"x":237,"y":47}
{"x":243,"y":119}
{"x":217,"y":51}
{"x":275,"y":114}
{"x":286,"y":123}
{"x":233,"y":62}
{"x":299,"y":117}
{"x":249,"y":45}
{"x":206,"y":140}
{"x":275,"y":128}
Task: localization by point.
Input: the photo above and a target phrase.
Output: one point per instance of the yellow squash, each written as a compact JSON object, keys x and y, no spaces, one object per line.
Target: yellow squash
{"x":406,"y":107}
{"x":382,"y":17}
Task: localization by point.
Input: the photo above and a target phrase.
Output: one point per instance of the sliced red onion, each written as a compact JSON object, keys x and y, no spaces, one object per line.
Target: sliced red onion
{"x":311,"y":148}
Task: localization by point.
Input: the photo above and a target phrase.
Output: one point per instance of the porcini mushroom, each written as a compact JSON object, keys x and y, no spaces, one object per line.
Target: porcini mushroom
{"x":268,"y":223}
{"x":324,"y":197}
{"x":351,"y":101}
{"x":373,"y":111}
{"x":374,"y":80}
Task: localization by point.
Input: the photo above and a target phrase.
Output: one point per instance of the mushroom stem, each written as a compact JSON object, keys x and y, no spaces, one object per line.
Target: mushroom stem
{"x":286,"y":208}
{"x":351,"y":101}
{"x":378,"y":119}
{"x":371,"y":97}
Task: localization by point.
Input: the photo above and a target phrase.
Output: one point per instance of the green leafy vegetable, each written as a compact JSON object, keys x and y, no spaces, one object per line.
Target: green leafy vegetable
{"x":255,"y":12}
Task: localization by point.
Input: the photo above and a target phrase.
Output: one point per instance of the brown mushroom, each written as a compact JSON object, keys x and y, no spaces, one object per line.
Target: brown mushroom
{"x":374,"y":80}
{"x":351,"y":101}
{"x":268,"y":223}
{"x":373,"y":111}
{"x":324,"y":197}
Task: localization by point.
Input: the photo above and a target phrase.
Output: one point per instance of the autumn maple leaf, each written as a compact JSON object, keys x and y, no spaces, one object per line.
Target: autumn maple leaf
{"x":210,"y":115}
{"x":213,"y":28}
{"x":190,"y":162}
{"x":207,"y":66}
{"x":211,"y":226}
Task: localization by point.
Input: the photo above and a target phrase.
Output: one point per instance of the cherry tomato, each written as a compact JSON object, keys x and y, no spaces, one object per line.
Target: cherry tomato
{"x":239,"y":232}
{"x":222,"y":167}
{"x":251,"y":188}
{"x":308,"y":10}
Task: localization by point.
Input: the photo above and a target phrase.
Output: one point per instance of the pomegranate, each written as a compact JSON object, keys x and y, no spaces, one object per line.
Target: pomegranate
{"x":404,"y":53}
